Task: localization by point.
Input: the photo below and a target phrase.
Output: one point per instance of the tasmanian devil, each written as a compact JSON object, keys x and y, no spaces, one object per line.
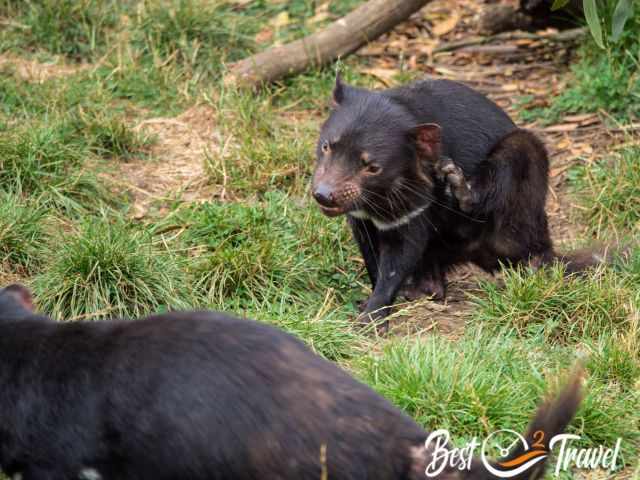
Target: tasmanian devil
{"x":431,"y":175}
{"x":200,"y":395}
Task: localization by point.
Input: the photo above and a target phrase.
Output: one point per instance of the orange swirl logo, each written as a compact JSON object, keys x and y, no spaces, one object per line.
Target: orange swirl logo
{"x":515,"y":466}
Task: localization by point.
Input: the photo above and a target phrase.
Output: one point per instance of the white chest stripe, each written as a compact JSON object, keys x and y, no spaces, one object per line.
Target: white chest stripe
{"x":89,"y":474}
{"x":380,"y":225}
{"x":361,"y":214}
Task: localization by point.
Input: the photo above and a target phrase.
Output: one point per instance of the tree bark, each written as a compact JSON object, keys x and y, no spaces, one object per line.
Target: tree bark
{"x":340,"y":38}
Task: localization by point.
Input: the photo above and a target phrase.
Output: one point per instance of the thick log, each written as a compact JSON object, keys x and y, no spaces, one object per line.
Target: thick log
{"x":340,"y":38}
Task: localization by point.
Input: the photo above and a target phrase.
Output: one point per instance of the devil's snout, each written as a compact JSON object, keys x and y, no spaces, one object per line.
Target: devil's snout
{"x":324,"y":194}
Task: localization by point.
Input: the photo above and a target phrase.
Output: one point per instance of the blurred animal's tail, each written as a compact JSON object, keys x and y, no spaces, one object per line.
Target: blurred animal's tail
{"x":580,"y":260}
{"x":552,"y":418}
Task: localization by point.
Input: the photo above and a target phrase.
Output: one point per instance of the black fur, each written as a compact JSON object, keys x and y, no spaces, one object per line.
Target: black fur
{"x":192,"y":395}
{"x":479,"y":181}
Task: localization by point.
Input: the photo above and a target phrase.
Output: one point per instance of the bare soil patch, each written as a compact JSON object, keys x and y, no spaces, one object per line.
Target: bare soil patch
{"x":177,"y":162}
{"x":38,"y":72}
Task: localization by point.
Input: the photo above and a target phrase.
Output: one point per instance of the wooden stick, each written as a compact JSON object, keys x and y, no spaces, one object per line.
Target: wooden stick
{"x":561,"y":36}
{"x":340,"y":38}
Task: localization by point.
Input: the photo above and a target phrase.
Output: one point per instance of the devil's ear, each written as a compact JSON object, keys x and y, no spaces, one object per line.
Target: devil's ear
{"x":338,"y":91}
{"x":428,"y":140}
{"x":21,"y":294}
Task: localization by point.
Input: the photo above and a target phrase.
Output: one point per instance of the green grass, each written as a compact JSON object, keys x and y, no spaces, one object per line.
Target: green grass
{"x":199,"y":35}
{"x":47,"y":159}
{"x":614,"y":359}
{"x":263,"y":150}
{"x":109,"y":270}
{"x":110,"y":136}
{"x":22,"y":233}
{"x":609,"y":192}
{"x":251,"y":247}
{"x":561,"y":309}
{"x":463,"y":388}
{"x":77,"y":29}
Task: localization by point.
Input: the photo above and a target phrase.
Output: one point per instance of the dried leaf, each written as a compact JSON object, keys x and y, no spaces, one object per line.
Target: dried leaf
{"x":564,"y":127}
{"x":509,"y":87}
{"x":321,"y":13}
{"x":587,"y":149}
{"x":447,"y":25}
{"x":280,"y":20}
{"x":264,"y":36}
{"x":413,"y":62}
{"x":580,"y":118}
{"x":372,"y":50}
{"x":554,"y":172}
{"x":385,"y":75}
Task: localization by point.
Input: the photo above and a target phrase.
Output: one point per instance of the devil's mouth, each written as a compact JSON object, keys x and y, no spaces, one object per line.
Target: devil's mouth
{"x":332,"y":211}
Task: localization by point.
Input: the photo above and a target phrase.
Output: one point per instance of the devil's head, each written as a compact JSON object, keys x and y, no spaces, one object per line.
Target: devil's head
{"x":16,"y":303}
{"x":372,"y":157}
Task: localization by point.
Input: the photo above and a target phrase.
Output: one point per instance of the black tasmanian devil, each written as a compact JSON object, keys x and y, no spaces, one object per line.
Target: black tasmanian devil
{"x":202,"y":396}
{"x":431,"y":175}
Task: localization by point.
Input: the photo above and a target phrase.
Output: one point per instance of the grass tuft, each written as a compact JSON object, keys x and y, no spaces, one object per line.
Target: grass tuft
{"x":49,"y":159}
{"x":614,"y":359}
{"x":22,"y":234}
{"x":264,"y":150}
{"x":77,"y":29}
{"x":561,"y":309}
{"x":110,"y":270}
{"x":110,"y":137}
{"x":245,"y":249}
{"x":197,"y":34}
{"x":609,"y":192}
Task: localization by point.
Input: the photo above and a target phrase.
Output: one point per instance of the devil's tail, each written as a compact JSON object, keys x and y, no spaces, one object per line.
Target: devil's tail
{"x":551,"y":418}
{"x":578,"y":261}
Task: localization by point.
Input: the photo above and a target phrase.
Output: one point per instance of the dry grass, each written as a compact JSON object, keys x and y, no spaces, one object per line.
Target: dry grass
{"x":34,"y":71}
{"x":177,"y":163}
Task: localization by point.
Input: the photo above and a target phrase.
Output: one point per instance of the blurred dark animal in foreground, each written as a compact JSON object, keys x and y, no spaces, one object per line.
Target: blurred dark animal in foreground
{"x":200,"y":395}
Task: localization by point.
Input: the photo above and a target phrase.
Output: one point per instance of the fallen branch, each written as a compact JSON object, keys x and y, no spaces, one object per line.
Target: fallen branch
{"x":562,"y":36}
{"x":340,"y":38}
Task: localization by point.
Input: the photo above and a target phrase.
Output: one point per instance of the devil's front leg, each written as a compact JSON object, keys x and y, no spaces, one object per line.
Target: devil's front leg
{"x":401,"y":251}
{"x":366,"y":236}
{"x":429,"y":279}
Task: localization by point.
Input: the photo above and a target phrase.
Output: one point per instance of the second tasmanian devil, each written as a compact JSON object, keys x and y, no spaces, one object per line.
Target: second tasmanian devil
{"x":431,"y":175}
{"x":204,"y":396}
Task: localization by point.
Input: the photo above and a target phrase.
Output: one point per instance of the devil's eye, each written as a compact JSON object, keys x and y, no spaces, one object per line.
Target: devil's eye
{"x":373,"y":169}
{"x":368,"y":166}
{"x":324,"y":146}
